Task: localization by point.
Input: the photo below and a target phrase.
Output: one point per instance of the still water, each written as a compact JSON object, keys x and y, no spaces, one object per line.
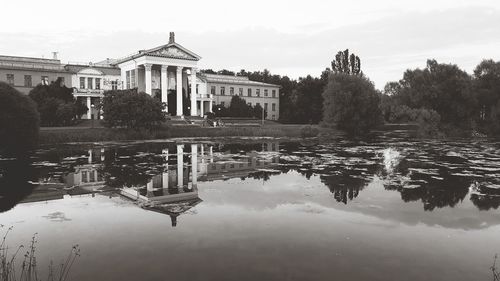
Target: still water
{"x":260,"y":209}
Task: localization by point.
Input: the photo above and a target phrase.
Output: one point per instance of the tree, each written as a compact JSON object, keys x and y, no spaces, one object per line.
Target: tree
{"x":130,"y":109}
{"x":486,"y":85}
{"x":345,"y":63}
{"x":444,"y":88}
{"x":19,"y":121}
{"x":239,"y":108}
{"x":351,"y":104}
{"x":49,"y":100}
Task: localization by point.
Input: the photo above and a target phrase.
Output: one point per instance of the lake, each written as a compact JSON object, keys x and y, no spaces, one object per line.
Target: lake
{"x":388,"y":208}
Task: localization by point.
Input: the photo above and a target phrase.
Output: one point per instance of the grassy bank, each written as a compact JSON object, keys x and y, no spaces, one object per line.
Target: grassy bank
{"x":105,"y":134}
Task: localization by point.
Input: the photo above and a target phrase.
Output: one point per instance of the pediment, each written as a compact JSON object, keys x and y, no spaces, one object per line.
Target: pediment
{"x":173,"y":52}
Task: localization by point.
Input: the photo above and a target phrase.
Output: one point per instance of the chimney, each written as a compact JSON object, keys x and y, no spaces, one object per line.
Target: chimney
{"x":54,"y":55}
{"x":172,"y":38}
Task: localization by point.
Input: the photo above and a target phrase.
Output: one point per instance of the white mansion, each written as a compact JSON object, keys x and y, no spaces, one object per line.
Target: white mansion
{"x":168,"y":72}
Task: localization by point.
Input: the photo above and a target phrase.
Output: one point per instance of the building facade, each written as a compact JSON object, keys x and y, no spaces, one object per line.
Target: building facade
{"x":24,"y":73}
{"x":222,"y":88}
{"x":168,"y":72}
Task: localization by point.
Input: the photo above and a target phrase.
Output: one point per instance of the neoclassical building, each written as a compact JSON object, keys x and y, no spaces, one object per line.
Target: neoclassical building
{"x":168,"y":72}
{"x":162,"y":69}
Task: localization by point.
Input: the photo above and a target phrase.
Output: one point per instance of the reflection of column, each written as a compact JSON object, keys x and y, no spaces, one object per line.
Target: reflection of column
{"x":165,"y":152}
{"x":180,"y":165}
{"x":149,"y":187}
{"x":193,"y":92}
{"x":194,"y":164}
{"x":89,"y":106}
{"x":165,"y":180}
{"x":178,"y":83}
{"x":102,"y":154}
{"x":164,"y":85}
{"x":211,"y":154}
{"x":210,"y":105}
{"x":202,"y":153}
{"x":90,"y":156}
{"x":147,"y":78}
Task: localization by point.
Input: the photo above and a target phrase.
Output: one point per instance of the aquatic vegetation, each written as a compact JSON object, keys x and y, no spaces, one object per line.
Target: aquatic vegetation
{"x":27,"y":270}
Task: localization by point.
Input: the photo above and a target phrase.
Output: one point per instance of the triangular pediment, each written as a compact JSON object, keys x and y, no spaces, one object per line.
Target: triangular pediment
{"x":173,"y":51}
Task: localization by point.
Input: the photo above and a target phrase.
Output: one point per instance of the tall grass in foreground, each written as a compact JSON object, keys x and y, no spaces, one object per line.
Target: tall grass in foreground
{"x":494,"y":270}
{"x":27,"y":271}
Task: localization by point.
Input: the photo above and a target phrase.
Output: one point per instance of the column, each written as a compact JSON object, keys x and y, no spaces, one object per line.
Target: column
{"x":147,"y":78}
{"x":194,"y":164}
{"x":89,"y":106}
{"x":180,"y":165}
{"x":201,"y":108}
{"x":193,"y":92}
{"x":178,"y":82}
{"x":164,"y":85}
{"x":210,"y":105}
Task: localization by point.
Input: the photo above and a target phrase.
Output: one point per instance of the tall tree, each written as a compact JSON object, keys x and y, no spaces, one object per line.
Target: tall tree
{"x":345,"y":63}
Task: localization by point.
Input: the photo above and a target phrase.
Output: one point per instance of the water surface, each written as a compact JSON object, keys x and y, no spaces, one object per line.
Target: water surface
{"x":385,"y":209}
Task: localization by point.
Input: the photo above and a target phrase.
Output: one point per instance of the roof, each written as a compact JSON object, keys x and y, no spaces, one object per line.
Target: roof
{"x":236,"y":80}
{"x":171,"y":50}
{"x":13,"y":62}
{"x":106,"y":70}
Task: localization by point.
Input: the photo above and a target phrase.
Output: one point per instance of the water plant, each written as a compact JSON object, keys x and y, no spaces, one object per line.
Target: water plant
{"x":27,"y":271}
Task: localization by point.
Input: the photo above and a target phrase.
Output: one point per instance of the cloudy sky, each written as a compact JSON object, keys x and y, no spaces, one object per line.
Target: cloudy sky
{"x":293,"y":38}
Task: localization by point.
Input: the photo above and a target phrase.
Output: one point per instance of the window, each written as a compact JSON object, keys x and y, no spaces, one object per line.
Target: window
{"x":240,"y":91}
{"x":197,"y":89}
{"x":27,"y":81}
{"x":274,"y":117}
{"x":10,"y":79}
{"x":82,"y":82}
{"x":265,"y":106}
{"x":84,"y":176}
{"x":265,"y":93}
{"x":98,"y":83}
{"x":257,"y":104}
{"x":45,"y":80}
{"x":212,"y":90}
{"x":249,"y":92}
{"x":274,"y":93}
{"x":222,"y":103}
{"x":258,"y":92}
{"x":127,"y":78}
{"x":90,"y":82}
{"x":222,"y":91}
{"x":273,"y":107}
{"x":231,"y":91}
{"x":114,"y":85}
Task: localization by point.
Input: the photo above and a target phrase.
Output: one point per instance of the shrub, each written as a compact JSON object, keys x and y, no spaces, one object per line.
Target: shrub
{"x":428,"y":123}
{"x":351,"y":103}
{"x":130,"y":109}
{"x":56,"y":104}
{"x":19,"y":121}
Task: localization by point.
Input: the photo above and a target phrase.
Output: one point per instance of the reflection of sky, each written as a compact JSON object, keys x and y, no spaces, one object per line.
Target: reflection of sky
{"x":251,"y":238}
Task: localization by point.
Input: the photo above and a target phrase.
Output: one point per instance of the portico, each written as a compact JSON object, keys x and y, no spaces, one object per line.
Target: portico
{"x":167,"y":72}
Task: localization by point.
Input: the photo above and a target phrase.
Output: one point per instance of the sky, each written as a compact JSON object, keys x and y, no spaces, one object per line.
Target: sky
{"x":294,"y":38}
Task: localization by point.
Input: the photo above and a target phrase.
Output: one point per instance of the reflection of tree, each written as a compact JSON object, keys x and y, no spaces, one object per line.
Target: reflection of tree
{"x":14,"y":182}
{"x":486,"y":195}
{"x":344,"y":187}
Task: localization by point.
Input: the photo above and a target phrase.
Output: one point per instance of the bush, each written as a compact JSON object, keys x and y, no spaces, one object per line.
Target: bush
{"x":351,"y":103}
{"x":56,"y":104}
{"x":19,"y":121}
{"x":130,"y":109}
{"x":428,"y":123}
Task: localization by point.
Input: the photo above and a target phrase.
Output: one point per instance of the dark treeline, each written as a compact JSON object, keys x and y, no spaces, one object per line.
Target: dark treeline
{"x":441,"y":98}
